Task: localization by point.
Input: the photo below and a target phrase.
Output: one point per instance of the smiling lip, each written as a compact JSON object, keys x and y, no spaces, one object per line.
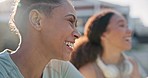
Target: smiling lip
{"x":128,"y":39}
{"x":69,"y":44}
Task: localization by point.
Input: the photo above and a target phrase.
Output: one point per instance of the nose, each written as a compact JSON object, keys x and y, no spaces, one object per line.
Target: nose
{"x":129,"y":31}
{"x":76,"y":34}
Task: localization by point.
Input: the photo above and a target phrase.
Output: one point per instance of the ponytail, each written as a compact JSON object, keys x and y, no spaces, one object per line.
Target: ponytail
{"x":85,"y":52}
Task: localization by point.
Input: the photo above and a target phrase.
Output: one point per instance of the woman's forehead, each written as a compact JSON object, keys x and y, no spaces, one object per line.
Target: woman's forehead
{"x":117,"y":18}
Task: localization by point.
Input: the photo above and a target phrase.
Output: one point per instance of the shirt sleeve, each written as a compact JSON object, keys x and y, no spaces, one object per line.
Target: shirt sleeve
{"x":1,"y":75}
{"x":70,"y":71}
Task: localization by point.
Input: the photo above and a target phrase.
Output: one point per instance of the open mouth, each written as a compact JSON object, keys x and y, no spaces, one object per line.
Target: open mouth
{"x":128,"y":39}
{"x":69,"y":44}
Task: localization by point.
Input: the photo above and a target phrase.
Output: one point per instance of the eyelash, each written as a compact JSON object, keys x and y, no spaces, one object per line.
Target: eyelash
{"x":71,"y":22}
{"x":122,"y":26}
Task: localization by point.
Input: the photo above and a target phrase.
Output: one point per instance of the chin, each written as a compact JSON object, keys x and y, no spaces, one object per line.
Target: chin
{"x":128,"y":47}
{"x":65,"y":58}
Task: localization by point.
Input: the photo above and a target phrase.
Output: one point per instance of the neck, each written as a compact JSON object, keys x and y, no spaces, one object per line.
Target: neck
{"x":112,"y":58}
{"x":30,"y":60}
{"x":111,"y":54}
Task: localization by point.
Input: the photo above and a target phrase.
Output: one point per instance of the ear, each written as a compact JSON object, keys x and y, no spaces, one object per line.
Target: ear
{"x":103,"y":36}
{"x":35,"y":19}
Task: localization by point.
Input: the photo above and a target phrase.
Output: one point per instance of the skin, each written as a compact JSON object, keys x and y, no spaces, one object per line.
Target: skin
{"x":45,"y":40}
{"x":117,"y":33}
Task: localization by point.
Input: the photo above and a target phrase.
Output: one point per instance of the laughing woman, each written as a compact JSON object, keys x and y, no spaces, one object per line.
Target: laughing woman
{"x":44,"y":27}
{"x":100,"y":53}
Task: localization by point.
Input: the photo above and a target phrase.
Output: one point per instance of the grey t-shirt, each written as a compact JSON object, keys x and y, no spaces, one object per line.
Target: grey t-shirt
{"x":61,"y":69}
{"x":55,"y":68}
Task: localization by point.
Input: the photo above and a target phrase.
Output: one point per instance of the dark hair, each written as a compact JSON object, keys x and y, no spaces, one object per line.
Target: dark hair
{"x":88,"y":50}
{"x":20,"y":13}
{"x":84,"y":52}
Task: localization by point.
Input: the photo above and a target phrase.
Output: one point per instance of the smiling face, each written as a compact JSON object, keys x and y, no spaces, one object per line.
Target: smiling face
{"x":59,"y":32}
{"x":118,"y":34}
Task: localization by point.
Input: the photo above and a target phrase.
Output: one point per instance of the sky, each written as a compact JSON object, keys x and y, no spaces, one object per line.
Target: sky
{"x":138,"y":8}
{"x":2,"y":0}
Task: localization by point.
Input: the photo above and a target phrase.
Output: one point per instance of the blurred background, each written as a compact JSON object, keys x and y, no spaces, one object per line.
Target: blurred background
{"x":135,"y":11}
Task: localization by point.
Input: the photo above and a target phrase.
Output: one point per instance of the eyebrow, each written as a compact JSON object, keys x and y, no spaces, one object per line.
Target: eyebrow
{"x":72,"y":16}
{"x":121,"y":21}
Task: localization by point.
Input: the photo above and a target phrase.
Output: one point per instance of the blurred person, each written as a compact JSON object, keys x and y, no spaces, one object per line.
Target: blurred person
{"x":47,"y":30}
{"x":99,"y":53}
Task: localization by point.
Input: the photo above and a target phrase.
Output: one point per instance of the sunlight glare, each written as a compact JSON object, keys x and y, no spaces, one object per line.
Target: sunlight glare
{"x":2,"y":1}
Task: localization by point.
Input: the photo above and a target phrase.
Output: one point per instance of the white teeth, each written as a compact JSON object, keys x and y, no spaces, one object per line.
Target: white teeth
{"x":69,"y":44}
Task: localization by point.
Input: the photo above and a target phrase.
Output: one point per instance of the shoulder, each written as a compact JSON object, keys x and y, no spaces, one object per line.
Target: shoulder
{"x":71,"y":71}
{"x":58,"y":65}
{"x":4,"y":64}
{"x":4,"y":61}
{"x":7,"y":66}
{"x":88,"y":70}
{"x":63,"y":69}
{"x":52,"y":69}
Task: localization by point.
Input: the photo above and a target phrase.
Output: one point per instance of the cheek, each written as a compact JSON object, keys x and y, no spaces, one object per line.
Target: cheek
{"x":65,"y":26}
{"x":118,"y":33}
{"x":68,"y":30}
{"x":119,"y":37}
{"x":115,"y":36}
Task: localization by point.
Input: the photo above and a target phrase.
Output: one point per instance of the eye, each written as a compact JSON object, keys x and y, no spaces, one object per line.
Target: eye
{"x":72,"y":22}
{"x":122,"y":25}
